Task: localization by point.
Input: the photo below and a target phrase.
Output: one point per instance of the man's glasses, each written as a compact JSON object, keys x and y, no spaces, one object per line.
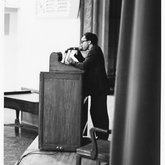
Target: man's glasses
{"x":83,"y":41}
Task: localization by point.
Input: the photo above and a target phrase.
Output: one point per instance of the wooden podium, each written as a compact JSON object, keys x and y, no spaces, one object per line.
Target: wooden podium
{"x":60,"y":105}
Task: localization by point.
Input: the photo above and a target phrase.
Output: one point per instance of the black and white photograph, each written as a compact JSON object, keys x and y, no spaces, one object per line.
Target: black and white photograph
{"x":82,"y":82}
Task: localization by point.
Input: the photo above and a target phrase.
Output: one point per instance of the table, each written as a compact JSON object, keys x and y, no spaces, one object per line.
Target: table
{"x":25,"y":101}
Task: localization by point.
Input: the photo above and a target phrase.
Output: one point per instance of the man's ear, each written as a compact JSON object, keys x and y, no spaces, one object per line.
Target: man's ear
{"x":89,"y":42}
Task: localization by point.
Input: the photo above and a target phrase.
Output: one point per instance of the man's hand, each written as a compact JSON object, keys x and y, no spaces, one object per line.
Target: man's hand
{"x":70,"y":60}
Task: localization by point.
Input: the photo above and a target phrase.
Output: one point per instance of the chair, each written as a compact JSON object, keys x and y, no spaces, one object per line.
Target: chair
{"x":97,"y":149}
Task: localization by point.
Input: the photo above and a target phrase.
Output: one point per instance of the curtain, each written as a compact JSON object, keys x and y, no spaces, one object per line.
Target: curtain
{"x":95,"y":18}
{"x":136,"y":126}
{"x":102,"y":17}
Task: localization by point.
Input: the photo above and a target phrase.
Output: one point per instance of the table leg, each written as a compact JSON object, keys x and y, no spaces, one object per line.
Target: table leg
{"x":17,"y":123}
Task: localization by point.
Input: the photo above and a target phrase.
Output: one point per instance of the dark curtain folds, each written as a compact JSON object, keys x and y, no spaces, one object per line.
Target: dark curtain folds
{"x":95,"y":18}
{"x":102,"y":17}
{"x":136,"y":127}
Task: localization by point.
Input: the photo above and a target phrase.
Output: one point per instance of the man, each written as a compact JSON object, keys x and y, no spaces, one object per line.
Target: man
{"x":95,"y":81}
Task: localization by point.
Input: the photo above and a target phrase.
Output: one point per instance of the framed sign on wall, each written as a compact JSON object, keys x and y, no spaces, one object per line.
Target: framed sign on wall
{"x":58,"y":8}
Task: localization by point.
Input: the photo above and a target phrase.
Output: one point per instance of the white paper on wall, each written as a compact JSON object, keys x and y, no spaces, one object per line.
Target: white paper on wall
{"x":58,"y":8}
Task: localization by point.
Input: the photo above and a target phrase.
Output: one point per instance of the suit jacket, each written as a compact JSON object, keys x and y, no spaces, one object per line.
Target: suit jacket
{"x":95,"y":78}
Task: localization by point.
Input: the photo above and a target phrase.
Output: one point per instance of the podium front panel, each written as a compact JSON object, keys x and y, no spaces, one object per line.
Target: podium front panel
{"x":60,"y":111}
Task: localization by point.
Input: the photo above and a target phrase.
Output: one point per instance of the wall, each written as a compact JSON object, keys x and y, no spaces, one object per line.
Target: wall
{"x":27,"y":49}
{"x":10,"y":48}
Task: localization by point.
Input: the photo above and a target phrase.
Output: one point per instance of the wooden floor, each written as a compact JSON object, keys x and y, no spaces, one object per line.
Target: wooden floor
{"x":33,"y":156}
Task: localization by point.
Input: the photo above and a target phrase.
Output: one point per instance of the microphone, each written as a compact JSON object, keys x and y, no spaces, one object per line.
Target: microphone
{"x":72,"y":48}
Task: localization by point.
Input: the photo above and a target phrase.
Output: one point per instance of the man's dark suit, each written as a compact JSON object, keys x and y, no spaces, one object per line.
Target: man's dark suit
{"x":96,"y":85}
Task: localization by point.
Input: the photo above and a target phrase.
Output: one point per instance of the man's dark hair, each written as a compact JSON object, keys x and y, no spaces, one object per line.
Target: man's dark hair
{"x":91,"y":37}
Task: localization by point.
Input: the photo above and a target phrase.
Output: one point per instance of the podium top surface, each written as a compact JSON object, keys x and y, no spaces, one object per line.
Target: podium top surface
{"x":56,"y":65}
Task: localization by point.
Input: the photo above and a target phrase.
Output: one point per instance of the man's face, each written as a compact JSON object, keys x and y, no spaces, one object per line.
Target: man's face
{"x":84,"y":43}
